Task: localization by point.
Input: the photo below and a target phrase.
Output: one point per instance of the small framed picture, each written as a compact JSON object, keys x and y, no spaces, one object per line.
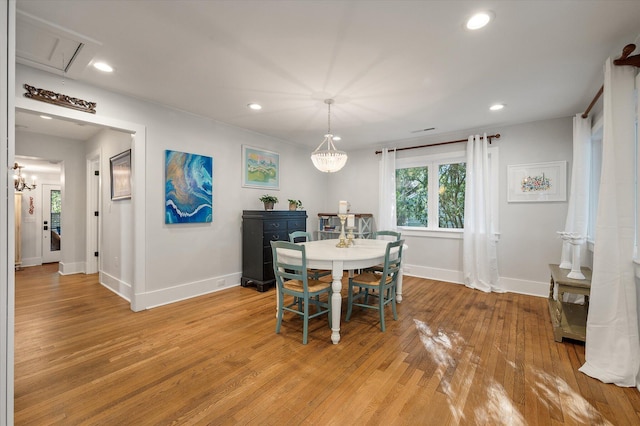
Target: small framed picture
{"x":537,"y":182}
{"x":121,"y":176}
{"x":260,"y":168}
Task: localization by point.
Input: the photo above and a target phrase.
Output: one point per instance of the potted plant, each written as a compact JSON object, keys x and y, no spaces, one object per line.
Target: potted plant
{"x":295,"y":204}
{"x":269,"y":201}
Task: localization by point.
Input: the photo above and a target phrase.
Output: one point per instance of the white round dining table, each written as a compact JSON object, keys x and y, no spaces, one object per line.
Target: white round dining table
{"x":324,"y":254}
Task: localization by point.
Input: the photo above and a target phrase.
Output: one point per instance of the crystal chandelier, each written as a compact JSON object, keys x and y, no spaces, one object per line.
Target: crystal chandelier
{"x":19,"y":181}
{"x":328,"y":160}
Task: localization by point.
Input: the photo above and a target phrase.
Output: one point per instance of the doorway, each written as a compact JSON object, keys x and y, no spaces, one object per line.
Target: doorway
{"x":75,"y":173}
{"x":51,"y":223}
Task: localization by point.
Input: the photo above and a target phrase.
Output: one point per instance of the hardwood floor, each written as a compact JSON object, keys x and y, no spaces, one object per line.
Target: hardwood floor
{"x":455,"y":356}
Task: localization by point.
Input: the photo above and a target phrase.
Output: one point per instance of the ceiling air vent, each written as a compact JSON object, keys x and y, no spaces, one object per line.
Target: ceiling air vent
{"x":49,"y":47}
{"x":423,"y":130}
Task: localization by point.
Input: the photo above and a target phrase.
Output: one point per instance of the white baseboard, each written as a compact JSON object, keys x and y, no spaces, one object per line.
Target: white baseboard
{"x":177,"y":293}
{"x":530,"y":288}
{"x":447,"y":275}
{"x":68,"y":268}
{"x":31,"y":261}
{"x":512,"y":285}
{"x":117,"y":286}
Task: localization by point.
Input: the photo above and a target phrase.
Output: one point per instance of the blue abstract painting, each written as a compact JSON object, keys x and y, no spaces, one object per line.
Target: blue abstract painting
{"x":188,"y":188}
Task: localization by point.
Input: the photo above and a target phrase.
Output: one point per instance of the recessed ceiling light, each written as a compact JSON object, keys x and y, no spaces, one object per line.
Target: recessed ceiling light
{"x":46,"y":117}
{"x":255,"y":107}
{"x":102,"y":66}
{"x":478,"y":20}
{"x":337,"y":138}
{"x":496,"y":107}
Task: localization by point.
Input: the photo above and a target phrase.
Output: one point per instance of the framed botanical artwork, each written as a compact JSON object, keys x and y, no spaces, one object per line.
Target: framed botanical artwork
{"x":537,"y":182}
{"x":188,"y":188}
{"x":260,"y":168}
{"x":120,"y":172}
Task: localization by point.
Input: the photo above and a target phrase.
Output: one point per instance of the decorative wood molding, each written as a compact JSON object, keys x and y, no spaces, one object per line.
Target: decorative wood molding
{"x":59,"y":99}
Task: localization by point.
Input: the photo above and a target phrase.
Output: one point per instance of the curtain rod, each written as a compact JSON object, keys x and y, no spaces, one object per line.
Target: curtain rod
{"x":496,"y":136}
{"x":624,"y":59}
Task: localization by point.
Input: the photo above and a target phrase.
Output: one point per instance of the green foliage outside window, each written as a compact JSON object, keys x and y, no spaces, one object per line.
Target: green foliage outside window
{"x":56,"y":208}
{"x":412,"y":186}
{"x":56,"y":201}
{"x":411,"y":196}
{"x":452,"y":180}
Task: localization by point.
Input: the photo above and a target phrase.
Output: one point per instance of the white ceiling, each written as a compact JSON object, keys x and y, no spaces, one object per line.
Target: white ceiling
{"x":393,"y":67}
{"x":28,"y":122}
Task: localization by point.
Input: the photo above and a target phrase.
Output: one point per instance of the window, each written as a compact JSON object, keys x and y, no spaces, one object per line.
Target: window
{"x":444,"y":178}
{"x":594,"y":184}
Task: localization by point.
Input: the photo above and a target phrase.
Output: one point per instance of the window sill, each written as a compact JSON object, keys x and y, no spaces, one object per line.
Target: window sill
{"x":454,"y":234}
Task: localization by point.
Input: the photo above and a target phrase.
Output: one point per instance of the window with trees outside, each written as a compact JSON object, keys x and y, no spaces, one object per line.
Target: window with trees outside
{"x":430,"y":191}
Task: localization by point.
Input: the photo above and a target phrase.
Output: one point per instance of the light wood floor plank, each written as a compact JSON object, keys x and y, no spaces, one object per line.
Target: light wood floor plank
{"x":455,"y":356}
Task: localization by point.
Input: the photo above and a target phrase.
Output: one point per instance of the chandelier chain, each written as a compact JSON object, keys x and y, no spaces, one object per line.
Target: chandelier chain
{"x":329,"y":118}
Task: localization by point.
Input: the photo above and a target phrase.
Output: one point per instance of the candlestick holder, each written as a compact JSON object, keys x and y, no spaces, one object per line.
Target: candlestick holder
{"x":343,"y":238}
{"x":574,"y":241}
{"x":350,"y":236}
{"x":576,"y":272}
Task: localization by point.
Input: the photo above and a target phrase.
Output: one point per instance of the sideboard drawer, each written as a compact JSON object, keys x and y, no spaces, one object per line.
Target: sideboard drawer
{"x":275,"y":225}
{"x":275,"y":236}
{"x":296,"y":224}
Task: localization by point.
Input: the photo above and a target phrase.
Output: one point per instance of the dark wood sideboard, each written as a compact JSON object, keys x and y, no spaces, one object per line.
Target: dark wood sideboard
{"x":259,"y":228}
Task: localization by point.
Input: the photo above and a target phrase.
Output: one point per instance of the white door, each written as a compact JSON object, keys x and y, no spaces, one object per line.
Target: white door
{"x":93,"y":207}
{"x":51,"y":226}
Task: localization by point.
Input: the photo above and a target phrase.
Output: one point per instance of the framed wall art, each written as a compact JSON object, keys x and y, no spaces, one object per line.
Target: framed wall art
{"x":188,"y":188}
{"x":260,"y":168}
{"x":537,"y":182}
{"x":120,"y":172}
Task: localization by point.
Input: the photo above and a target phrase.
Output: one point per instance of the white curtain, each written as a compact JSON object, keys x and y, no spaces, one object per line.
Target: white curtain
{"x":612,"y":348}
{"x":578,"y":211}
{"x":387,"y":204}
{"x":480,"y":263}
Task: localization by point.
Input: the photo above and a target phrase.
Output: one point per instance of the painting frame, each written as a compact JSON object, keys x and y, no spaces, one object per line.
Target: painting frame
{"x":120,"y":174}
{"x":188,"y":188}
{"x":537,"y":182}
{"x":251,"y":157}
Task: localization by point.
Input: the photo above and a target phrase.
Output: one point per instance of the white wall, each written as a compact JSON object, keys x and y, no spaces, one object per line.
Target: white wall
{"x":116,"y":217}
{"x":187,"y":260}
{"x":71,"y":153}
{"x":182,"y":261}
{"x":528,"y":241}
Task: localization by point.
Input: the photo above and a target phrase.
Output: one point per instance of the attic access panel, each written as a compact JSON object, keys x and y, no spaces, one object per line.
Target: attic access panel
{"x":49,"y":47}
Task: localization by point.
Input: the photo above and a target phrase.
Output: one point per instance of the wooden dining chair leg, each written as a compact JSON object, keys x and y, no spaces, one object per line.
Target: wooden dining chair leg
{"x":349,"y":303}
{"x":393,"y":304}
{"x":280,"y":311}
{"x":381,"y":310}
{"x":305,"y":327}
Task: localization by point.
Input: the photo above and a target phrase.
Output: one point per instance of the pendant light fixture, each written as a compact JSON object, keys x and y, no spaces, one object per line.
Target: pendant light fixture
{"x":19,"y":182}
{"x":328,"y":160}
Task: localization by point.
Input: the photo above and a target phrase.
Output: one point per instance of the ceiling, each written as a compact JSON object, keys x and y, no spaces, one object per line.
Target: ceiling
{"x":393,"y":67}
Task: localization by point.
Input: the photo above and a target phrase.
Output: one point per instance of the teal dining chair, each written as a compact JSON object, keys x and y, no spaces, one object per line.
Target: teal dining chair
{"x":371,"y":285}
{"x":384,"y":235}
{"x":300,"y":237}
{"x":292,"y":279}
{"x":381,"y":235}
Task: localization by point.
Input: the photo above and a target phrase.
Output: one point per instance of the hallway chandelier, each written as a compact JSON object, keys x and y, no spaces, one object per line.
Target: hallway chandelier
{"x":328,"y":160}
{"x":19,"y":181}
